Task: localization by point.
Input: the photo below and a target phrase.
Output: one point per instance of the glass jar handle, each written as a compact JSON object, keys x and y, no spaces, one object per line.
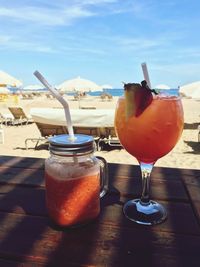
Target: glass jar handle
{"x":103,"y":176}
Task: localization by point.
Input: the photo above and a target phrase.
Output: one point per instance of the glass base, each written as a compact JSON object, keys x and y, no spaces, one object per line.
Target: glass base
{"x":145,"y":213}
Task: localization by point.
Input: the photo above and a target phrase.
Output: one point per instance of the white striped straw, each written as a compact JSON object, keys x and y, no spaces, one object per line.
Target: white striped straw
{"x":61,"y":100}
{"x":146,"y":74}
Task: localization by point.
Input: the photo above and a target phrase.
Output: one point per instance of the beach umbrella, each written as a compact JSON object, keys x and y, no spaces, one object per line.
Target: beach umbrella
{"x":6,"y":79}
{"x":107,"y":86}
{"x":79,"y":85}
{"x":189,"y":89}
{"x":4,"y":90}
{"x":196,"y":94}
{"x":162,"y":87}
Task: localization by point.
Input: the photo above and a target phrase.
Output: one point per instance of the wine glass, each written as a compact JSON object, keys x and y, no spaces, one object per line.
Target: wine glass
{"x":148,"y":137}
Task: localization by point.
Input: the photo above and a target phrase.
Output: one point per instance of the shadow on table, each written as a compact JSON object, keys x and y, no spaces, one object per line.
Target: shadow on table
{"x":195,"y":147}
{"x":111,"y":240}
{"x":19,"y":230}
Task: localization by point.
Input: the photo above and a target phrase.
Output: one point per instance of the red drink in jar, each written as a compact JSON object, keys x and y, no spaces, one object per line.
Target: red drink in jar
{"x":73,"y":179}
{"x":73,"y":199}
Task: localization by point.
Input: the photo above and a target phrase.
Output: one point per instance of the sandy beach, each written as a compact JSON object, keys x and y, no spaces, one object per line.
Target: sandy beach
{"x":186,"y":154}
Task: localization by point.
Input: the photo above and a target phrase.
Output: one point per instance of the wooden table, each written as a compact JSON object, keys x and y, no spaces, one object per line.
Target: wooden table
{"x":29,"y":239}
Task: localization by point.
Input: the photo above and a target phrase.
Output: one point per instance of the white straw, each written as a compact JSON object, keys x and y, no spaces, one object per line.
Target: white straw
{"x":146,"y":75}
{"x":61,"y":100}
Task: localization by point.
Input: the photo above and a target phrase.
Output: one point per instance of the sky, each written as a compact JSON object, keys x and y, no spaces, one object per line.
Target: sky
{"x":101,"y":40}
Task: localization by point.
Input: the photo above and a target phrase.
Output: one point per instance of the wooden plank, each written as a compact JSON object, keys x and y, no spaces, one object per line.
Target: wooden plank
{"x":166,"y":183}
{"x":31,"y":201}
{"x":21,"y":162}
{"x":157,"y":173}
{"x":192,"y":185}
{"x":93,"y":245}
{"x":22,"y":176}
{"x":114,"y":168}
{"x":159,"y":189}
{"x":112,"y":240}
{"x":181,"y":218}
{"x":24,"y":200}
{"x":21,"y":263}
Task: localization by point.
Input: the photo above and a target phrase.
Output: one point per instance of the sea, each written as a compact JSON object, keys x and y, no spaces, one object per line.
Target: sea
{"x":114,"y":92}
{"x":120,"y":92}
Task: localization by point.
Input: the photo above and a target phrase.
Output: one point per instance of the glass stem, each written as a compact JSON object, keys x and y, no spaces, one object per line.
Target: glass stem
{"x":146,"y":169}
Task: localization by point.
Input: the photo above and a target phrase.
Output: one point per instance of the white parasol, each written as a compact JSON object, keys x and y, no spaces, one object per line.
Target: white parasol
{"x":4,"y":90}
{"x":79,"y":84}
{"x":190,"y":89}
{"x":107,"y":86}
{"x":6,"y":79}
{"x":196,"y":94}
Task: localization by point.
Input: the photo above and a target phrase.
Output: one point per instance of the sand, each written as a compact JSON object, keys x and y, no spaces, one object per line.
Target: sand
{"x":186,"y":154}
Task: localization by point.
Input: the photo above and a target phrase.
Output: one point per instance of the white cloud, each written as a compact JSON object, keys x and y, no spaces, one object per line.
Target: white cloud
{"x":58,"y":13}
{"x":181,"y":69}
{"x":7,"y":43}
{"x":45,"y":16}
{"x":139,"y":43}
{"x":13,"y":43}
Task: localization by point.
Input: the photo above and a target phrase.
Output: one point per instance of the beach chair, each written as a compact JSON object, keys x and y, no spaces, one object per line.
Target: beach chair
{"x":49,"y":96}
{"x":95,"y":132}
{"x":110,"y":97}
{"x":27,"y":96}
{"x":109,"y":138}
{"x":88,"y":107}
{"x":6,"y":119}
{"x":19,"y":116}
{"x":76,"y":97}
{"x":90,"y":122}
{"x":103,"y":97}
{"x":46,"y":130}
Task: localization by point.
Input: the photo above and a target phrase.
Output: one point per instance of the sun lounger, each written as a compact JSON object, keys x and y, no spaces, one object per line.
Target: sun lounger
{"x":19,"y":116}
{"x":80,"y":117}
{"x":6,"y":118}
{"x":106,"y":96}
{"x":97,"y":122}
{"x":46,"y":130}
{"x":87,"y":107}
{"x":93,"y":131}
{"x":27,"y":96}
{"x":49,"y":96}
{"x":109,"y":138}
{"x":103,"y":97}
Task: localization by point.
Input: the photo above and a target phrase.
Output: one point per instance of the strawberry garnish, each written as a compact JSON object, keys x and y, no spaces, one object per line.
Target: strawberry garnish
{"x":138,"y":98}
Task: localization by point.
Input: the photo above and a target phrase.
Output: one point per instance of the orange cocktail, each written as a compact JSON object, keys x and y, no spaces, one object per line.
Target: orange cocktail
{"x":155,"y":132}
{"x":148,"y":126}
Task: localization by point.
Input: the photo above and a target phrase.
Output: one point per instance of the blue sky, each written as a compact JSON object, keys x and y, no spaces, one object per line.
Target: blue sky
{"x":102,"y":40}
